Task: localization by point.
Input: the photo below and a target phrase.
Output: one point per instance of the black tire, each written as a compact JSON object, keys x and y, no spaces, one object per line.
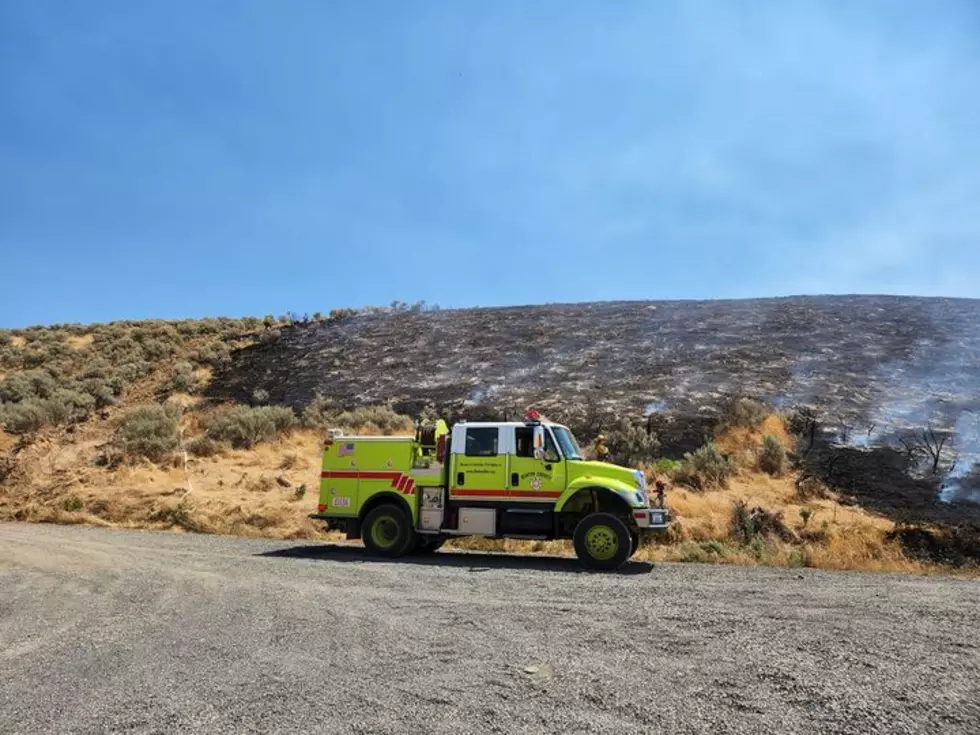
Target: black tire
{"x":602,"y":541}
{"x":428,"y":544}
{"x":388,"y":531}
{"x":635,"y":539}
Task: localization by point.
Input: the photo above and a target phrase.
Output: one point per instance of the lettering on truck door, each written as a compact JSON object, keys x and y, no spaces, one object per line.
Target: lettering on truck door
{"x":479,"y":467}
{"x":532,"y":479}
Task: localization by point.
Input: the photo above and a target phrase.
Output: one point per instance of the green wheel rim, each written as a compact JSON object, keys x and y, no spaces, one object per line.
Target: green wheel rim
{"x":384,"y":532}
{"x":601,"y":542}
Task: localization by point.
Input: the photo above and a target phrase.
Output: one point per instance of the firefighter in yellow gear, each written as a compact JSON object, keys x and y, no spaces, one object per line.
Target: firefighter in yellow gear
{"x":601,"y":450}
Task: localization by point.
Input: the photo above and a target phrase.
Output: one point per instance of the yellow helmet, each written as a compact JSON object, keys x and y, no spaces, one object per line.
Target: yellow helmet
{"x":601,"y":438}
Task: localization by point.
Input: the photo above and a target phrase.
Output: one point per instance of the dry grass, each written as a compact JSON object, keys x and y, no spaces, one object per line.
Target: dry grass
{"x":203,"y":376}
{"x":17,"y":341}
{"x":80,"y":342}
{"x":254,"y":493}
{"x":234,"y":492}
{"x":743,"y":444}
{"x":845,"y":537}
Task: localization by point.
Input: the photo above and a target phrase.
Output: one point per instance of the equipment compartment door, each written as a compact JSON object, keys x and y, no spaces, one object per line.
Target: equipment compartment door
{"x":479,"y":470}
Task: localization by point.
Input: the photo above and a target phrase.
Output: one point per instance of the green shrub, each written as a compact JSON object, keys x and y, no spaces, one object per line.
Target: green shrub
{"x":383,"y":417}
{"x":102,"y":392}
{"x":245,"y":426}
{"x":706,"y":467}
{"x":28,"y":384}
{"x":715,"y":547}
{"x":321,"y":413}
{"x":72,"y":504}
{"x":130,"y":372}
{"x":25,"y":417}
{"x":300,"y":492}
{"x":157,"y":349}
{"x":32,"y":414}
{"x":665,"y":466}
{"x":183,"y":380}
{"x":148,"y":431}
{"x":772,"y":459}
{"x":203,"y":446}
{"x":799,"y":558}
{"x":630,"y":444}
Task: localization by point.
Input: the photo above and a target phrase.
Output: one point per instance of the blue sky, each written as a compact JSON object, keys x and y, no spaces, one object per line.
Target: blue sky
{"x":197,"y":158}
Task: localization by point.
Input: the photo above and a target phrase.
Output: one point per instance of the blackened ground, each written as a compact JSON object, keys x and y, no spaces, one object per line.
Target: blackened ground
{"x":877,"y":360}
{"x":110,"y":631}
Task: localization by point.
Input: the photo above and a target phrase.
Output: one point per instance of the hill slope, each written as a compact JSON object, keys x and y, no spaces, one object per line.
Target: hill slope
{"x":873,"y":367}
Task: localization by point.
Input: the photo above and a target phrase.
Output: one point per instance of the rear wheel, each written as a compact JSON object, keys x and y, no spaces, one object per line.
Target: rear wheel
{"x":602,"y":541}
{"x":388,"y":531}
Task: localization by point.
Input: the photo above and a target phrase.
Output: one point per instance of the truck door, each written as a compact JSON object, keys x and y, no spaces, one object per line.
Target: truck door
{"x":479,"y":468}
{"x":535,"y":479}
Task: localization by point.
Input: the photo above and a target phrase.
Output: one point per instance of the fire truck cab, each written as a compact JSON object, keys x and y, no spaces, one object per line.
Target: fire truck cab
{"x":524,"y":479}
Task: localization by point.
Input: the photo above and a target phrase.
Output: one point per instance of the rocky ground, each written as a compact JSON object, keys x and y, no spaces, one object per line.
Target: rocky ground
{"x":109,"y":631}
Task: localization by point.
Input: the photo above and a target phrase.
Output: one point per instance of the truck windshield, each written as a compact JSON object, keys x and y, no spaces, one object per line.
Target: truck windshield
{"x":565,"y":439}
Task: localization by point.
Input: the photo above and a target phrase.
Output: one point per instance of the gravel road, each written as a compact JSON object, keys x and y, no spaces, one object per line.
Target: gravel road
{"x":109,"y":631}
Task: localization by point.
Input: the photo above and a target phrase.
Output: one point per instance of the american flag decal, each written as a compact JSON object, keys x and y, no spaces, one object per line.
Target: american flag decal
{"x":345,"y":450}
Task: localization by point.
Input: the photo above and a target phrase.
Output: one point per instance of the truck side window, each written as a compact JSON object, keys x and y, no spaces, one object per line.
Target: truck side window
{"x":524,"y":436}
{"x":550,"y":450}
{"x":525,"y":441}
{"x":482,"y":442}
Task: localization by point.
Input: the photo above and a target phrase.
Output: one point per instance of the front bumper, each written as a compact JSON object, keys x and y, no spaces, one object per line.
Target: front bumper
{"x":651,"y":519}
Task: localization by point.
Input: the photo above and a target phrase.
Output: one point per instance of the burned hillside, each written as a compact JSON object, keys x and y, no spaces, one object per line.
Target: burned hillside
{"x":872,"y":367}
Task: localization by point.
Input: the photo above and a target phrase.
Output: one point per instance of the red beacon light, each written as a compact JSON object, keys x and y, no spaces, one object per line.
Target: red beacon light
{"x":532,"y":415}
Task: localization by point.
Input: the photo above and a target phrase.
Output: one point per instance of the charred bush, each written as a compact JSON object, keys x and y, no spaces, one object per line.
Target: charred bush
{"x":957,"y":546}
{"x":747,"y":524}
{"x":681,"y":433}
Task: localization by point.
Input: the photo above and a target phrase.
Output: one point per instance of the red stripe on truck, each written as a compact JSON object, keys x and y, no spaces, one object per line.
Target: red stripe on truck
{"x":506,"y":493}
{"x":534,"y":493}
{"x":401,"y":482}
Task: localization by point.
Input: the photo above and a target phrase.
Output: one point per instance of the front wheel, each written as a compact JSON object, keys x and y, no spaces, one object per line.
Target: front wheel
{"x":602,"y":541}
{"x":388,"y":531}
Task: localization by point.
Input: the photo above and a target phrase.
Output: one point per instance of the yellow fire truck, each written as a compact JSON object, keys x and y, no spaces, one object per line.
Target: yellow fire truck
{"x":526,"y":480}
